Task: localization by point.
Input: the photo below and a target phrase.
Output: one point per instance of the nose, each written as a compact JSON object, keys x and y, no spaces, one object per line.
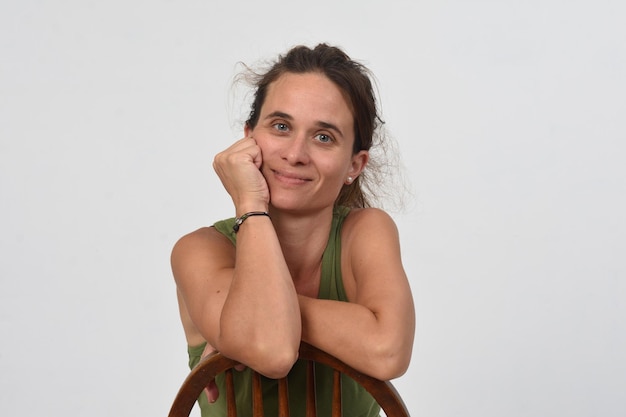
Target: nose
{"x":296,"y":151}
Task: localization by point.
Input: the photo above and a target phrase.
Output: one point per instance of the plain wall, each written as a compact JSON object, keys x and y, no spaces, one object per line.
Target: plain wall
{"x":509,"y":117}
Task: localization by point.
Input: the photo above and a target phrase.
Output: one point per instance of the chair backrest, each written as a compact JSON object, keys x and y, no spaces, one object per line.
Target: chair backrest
{"x":382,"y":391}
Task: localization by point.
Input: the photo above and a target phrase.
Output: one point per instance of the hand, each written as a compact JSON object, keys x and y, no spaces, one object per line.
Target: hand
{"x":239,"y":170}
{"x":211,"y":390}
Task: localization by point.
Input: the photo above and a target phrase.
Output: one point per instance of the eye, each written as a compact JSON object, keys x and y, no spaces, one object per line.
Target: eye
{"x":281,"y":127}
{"x":324,"y":138}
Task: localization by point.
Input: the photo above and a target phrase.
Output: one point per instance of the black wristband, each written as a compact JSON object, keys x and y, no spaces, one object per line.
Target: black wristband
{"x":239,"y":220}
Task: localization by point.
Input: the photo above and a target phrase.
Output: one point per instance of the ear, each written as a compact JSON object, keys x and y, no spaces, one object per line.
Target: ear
{"x":247,"y":130}
{"x":359,"y":161}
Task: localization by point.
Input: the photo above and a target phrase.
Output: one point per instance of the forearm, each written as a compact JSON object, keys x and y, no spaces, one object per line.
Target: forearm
{"x":374,"y":344}
{"x":260,"y":320}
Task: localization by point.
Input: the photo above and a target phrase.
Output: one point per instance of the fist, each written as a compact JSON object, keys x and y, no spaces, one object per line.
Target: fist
{"x":238,"y":167}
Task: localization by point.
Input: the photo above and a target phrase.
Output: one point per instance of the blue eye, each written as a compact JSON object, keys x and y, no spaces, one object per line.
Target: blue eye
{"x":281,"y":127}
{"x":324,"y":138}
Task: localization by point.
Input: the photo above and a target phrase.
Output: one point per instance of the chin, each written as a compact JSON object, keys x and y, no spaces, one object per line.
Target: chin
{"x":298,"y":200}
{"x":299,"y":205}
{"x":288,"y":204}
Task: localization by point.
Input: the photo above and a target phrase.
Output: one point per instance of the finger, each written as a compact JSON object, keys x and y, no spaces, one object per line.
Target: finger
{"x":242,"y":144}
{"x":212,"y":392}
{"x":257,"y":157}
{"x":208,"y":349}
{"x":246,"y":148}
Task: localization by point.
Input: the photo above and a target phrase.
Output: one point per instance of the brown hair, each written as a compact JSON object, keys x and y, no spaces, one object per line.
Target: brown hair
{"x":351,"y":77}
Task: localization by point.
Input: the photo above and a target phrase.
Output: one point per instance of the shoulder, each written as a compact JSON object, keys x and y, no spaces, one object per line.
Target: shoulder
{"x":370,"y":240}
{"x":202,"y":246}
{"x":368,"y":223}
{"x":205,"y":236}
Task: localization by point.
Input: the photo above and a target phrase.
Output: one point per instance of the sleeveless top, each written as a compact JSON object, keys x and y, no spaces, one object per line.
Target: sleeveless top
{"x":356,"y":401}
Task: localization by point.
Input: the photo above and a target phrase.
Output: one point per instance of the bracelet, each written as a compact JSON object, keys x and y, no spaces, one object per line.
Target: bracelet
{"x":239,"y":220}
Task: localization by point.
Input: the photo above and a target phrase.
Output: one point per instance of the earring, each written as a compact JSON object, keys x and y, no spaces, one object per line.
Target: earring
{"x":350,"y":179}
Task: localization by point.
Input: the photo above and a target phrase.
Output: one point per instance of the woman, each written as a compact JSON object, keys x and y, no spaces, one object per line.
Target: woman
{"x":305,"y":258}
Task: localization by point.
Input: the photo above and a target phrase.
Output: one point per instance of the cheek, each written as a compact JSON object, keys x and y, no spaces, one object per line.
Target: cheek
{"x":337,"y":171}
{"x":262,"y":142}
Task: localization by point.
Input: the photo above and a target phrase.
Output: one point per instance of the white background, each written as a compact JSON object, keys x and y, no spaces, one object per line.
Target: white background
{"x":510,"y":120}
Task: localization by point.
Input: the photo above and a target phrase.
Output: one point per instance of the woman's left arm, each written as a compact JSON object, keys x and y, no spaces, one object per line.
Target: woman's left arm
{"x":374,"y":331}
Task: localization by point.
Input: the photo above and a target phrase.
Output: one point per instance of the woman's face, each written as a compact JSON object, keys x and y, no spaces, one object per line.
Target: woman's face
{"x":306,"y":132}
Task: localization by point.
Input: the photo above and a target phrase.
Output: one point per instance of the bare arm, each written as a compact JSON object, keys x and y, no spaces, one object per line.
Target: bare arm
{"x":374,"y":331}
{"x":247,"y":309}
{"x":242,"y":300}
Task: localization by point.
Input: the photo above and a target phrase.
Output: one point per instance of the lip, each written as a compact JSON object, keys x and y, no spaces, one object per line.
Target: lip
{"x":290,"y":178}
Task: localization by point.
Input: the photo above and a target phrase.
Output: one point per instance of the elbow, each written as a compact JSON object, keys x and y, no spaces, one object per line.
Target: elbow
{"x":390,"y":363}
{"x":388,"y":370}
{"x":272,"y":361}
{"x":269,"y":359}
{"x":278,"y":364}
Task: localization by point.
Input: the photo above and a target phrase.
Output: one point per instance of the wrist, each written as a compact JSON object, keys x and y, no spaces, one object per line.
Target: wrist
{"x":240,"y":219}
{"x":241,"y":209}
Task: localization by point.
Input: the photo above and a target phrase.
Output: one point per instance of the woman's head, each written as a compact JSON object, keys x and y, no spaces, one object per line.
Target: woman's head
{"x":352,"y":78}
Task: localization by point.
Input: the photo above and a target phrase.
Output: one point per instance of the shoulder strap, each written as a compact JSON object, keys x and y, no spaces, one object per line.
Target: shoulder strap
{"x":331,"y":282}
{"x":225,"y":227}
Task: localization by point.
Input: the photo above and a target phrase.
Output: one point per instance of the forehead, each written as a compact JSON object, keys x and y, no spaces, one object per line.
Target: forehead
{"x":308,"y":95}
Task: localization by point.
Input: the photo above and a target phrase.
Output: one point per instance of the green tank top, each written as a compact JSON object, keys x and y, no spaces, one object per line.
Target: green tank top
{"x":356,"y":401}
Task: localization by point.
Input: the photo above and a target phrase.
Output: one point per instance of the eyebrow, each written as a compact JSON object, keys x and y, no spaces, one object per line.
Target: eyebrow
{"x":319,"y":123}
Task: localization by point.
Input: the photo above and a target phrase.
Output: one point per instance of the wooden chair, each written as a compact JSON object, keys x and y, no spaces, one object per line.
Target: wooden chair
{"x":206,"y":370}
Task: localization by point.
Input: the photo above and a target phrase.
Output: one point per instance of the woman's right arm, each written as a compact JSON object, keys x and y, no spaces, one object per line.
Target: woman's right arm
{"x":246,"y":308}
{"x":241,"y":299}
